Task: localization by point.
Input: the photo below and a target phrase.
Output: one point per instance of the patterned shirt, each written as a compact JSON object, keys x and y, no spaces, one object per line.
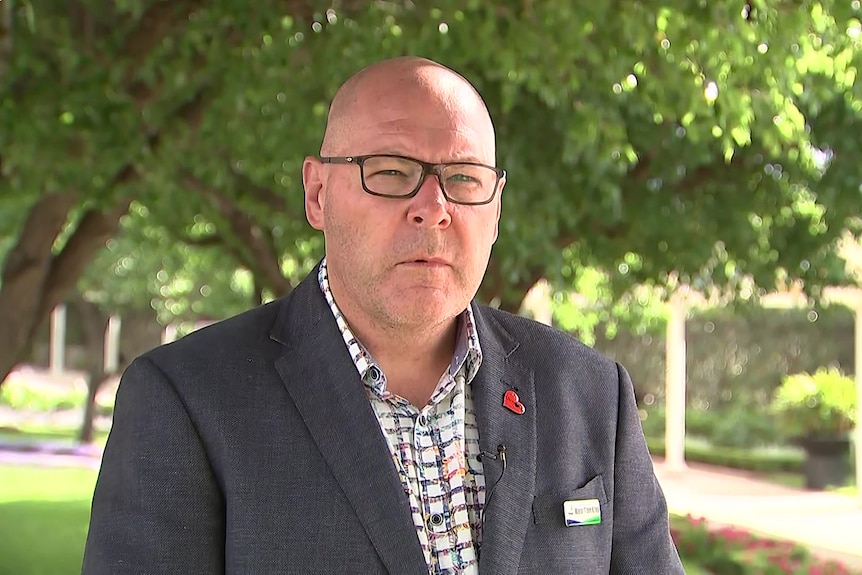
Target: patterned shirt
{"x":434,"y":448}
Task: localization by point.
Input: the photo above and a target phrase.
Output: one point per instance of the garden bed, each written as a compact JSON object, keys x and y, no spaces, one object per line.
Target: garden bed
{"x":733,"y":551}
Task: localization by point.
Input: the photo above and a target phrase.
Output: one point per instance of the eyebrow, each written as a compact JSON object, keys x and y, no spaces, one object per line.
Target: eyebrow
{"x":456,"y":160}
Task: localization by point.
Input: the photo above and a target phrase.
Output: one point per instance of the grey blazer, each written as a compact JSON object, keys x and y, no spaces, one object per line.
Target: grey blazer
{"x":250,"y":447}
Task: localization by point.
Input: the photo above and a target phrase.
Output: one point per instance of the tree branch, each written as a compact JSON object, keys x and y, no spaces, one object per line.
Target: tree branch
{"x":509,"y":295}
{"x":262,"y":194}
{"x":190,"y":114}
{"x":162,"y":19}
{"x":44,"y":223}
{"x":208,"y":241}
{"x":24,"y":274}
{"x":217,"y":240}
{"x":7,"y":43}
{"x":81,"y":22}
{"x":261,"y":254}
{"x":96,"y":227}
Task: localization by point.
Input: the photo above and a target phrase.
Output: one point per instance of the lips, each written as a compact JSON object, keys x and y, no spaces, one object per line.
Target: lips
{"x":428,"y":260}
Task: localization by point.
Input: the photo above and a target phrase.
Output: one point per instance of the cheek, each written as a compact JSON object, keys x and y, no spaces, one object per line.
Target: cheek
{"x":357,"y":230}
{"x":484,"y":233}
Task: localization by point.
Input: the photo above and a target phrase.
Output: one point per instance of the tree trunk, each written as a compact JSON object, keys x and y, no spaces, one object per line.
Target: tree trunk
{"x":94,"y":323}
{"x":512,"y":303}
{"x":6,"y":36}
{"x":34,"y":280}
{"x":95,"y":379}
{"x":27,"y":268}
{"x":507,"y":296}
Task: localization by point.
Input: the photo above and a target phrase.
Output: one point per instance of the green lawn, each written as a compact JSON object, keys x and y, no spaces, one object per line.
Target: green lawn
{"x":43,"y":519}
{"x":36,"y":434}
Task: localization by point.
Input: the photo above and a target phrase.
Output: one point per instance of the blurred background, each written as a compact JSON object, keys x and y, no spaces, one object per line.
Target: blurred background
{"x":684,"y":193}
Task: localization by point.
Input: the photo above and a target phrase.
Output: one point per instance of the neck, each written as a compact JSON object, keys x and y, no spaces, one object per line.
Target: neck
{"x":413,"y":359}
{"x":428,"y":349}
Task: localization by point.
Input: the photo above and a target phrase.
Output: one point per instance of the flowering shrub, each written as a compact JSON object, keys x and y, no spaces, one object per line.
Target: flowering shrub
{"x":735,"y":551}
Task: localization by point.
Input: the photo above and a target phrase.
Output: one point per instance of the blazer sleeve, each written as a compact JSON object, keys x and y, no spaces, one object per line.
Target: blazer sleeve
{"x":641,"y":538}
{"x":157,"y":507}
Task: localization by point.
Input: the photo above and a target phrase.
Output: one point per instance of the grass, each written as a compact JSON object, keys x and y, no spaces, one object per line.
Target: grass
{"x":32,"y":434}
{"x":44,"y":514}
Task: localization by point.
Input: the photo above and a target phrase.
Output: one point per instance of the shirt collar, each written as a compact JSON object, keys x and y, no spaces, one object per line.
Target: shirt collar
{"x":468,"y":352}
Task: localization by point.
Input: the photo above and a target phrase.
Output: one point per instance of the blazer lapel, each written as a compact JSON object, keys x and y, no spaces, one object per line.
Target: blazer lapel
{"x":322,"y":380}
{"x":509,"y":509}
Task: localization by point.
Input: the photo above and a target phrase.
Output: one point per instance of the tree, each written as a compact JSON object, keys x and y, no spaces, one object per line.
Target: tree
{"x":144,"y":268}
{"x":708,"y":141}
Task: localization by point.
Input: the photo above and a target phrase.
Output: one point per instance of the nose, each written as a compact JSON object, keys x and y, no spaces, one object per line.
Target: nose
{"x":429,"y":207}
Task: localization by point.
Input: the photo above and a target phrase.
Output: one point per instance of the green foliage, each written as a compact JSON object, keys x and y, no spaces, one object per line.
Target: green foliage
{"x":741,"y":427}
{"x":749,"y":459}
{"x":737,"y":426}
{"x":593,"y":304}
{"x":711,"y":145}
{"x":822,"y":404}
{"x":143,"y":267}
{"x":738,"y":355}
{"x":18,"y":394}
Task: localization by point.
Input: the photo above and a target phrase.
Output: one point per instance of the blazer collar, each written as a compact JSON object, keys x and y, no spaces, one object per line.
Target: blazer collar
{"x":325,"y":387}
{"x":508,"y":511}
{"x":324,"y":384}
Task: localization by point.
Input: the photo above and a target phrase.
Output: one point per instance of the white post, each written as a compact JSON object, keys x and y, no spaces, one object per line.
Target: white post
{"x":58,"y":340}
{"x":170,"y":333}
{"x":675,"y":383}
{"x":858,"y":369}
{"x":112,"y":344}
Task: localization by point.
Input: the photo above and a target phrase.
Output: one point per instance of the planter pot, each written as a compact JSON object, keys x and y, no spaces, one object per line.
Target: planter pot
{"x":827,"y":461}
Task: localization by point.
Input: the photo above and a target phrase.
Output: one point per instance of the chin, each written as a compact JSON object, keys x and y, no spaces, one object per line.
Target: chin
{"x":428,"y":308}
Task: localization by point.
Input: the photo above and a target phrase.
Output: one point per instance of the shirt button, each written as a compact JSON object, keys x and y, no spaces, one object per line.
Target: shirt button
{"x":436,"y":519}
{"x":423,"y":420}
{"x":374,"y":373}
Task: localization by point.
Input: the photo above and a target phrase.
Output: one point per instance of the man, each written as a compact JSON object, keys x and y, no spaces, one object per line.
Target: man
{"x":377,"y":420}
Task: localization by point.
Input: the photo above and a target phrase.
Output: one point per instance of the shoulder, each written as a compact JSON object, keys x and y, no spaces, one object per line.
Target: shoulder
{"x":531,"y":333}
{"x":543,"y":345}
{"x":246,"y":334}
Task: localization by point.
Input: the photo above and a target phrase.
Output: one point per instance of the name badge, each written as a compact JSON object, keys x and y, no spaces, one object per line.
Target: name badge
{"x":582,"y":512}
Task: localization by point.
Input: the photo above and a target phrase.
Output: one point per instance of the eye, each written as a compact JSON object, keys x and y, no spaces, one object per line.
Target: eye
{"x":387,"y":167}
{"x":390,"y":172}
{"x":463,"y":179}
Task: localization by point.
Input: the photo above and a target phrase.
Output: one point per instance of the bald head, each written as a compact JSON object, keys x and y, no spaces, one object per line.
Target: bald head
{"x":407,"y":82}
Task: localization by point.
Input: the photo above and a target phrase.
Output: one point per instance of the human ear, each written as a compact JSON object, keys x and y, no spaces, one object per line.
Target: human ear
{"x":315,"y":196}
{"x":499,"y":209}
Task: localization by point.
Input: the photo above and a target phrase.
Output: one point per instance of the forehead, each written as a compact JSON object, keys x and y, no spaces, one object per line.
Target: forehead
{"x":435,"y":121}
{"x":423,"y":140}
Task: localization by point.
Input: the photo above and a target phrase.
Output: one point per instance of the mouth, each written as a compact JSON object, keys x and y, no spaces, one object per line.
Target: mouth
{"x":427,"y":261}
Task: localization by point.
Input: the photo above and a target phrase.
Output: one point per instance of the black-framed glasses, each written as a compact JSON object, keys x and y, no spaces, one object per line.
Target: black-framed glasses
{"x":392,"y":176}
